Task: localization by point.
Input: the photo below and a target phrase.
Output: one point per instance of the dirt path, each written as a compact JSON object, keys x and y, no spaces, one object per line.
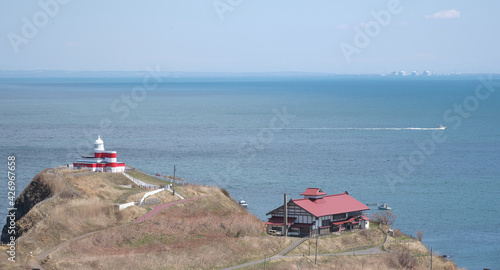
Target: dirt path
{"x":368,"y":251}
{"x":160,"y":207}
{"x":148,"y":215}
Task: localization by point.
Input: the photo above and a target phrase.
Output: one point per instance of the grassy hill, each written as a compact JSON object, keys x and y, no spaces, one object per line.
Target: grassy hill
{"x":70,"y":220}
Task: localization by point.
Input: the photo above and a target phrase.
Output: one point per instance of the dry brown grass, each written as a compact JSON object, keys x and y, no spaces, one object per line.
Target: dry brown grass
{"x":95,"y":185}
{"x":415,"y":246}
{"x":189,"y":191}
{"x":54,"y":183}
{"x":193,"y":191}
{"x":340,"y":243}
{"x":70,"y":216}
{"x":366,"y":262}
{"x":209,"y":233}
{"x":212,"y":232}
{"x":105,"y":186}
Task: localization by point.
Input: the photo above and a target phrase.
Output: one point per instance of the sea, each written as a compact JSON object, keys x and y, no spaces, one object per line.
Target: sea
{"x":260,"y":137}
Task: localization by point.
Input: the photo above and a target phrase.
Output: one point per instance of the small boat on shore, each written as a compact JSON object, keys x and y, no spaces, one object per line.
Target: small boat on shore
{"x":384,"y":207}
{"x":441,"y":127}
{"x":243,"y":203}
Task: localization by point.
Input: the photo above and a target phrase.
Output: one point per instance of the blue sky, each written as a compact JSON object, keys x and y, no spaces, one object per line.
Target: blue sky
{"x":251,"y":36}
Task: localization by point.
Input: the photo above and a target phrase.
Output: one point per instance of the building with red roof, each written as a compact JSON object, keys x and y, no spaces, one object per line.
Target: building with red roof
{"x":102,"y":161}
{"x":319,"y":213}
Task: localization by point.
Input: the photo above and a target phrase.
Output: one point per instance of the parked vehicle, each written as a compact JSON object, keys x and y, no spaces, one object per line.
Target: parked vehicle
{"x":274,"y":233}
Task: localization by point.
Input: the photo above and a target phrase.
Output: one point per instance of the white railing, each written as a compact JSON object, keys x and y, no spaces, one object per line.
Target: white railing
{"x":140,"y":183}
{"x":149,"y":194}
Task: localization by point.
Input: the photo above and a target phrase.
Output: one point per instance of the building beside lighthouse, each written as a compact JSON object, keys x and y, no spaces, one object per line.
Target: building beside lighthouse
{"x":319,"y":213}
{"x":102,"y":161}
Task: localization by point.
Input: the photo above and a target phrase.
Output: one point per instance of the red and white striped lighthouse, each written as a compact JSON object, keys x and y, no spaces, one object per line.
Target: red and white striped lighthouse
{"x":102,"y":161}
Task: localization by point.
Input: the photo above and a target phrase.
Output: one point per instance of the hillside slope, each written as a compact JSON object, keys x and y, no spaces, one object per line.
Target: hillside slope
{"x":70,"y":220}
{"x":210,"y":232}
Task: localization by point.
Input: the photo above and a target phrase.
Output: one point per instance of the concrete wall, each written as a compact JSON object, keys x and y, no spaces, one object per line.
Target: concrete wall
{"x":125,"y":205}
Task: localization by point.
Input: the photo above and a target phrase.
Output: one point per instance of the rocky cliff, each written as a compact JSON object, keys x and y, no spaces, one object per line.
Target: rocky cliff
{"x":36,"y":191}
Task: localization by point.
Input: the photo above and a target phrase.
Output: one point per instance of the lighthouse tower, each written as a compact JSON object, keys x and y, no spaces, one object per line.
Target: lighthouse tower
{"x":102,"y":161}
{"x":98,"y":145}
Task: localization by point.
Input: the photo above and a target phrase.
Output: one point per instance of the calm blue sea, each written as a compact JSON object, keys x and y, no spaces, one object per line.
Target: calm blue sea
{"x":374,"y":137}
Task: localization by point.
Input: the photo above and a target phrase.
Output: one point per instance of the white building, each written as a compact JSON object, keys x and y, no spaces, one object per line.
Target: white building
{"x":102,"y":161}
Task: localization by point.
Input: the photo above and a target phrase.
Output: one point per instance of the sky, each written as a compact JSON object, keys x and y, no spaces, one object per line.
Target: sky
{"x":333,"y":36}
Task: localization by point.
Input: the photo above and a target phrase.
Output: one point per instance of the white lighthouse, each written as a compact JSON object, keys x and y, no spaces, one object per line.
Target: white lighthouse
{"x":102,"y":161}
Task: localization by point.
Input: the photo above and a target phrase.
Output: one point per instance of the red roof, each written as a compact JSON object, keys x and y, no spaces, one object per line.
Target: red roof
{"x":278,"y":221}
{"x":313,"y":192}
{"x":364,"y":218}
{"x":331,"y":205}
{"x":340,"y":222}
{"x":351,"y":220}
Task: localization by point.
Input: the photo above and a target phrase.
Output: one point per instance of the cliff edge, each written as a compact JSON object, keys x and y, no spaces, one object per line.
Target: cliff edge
{"x":37,"y":190}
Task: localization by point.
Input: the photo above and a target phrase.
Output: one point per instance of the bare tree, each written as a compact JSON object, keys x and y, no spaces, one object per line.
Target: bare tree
{"x":405,"y":259}
{"x":420,"y":235}
{"x":387,"y":217}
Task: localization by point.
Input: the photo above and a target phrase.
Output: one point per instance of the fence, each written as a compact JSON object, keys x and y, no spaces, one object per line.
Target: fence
{"x":140,"y":183}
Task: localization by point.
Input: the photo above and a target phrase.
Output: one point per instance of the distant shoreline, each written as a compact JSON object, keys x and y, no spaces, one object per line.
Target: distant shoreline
{"x":182,"y":74}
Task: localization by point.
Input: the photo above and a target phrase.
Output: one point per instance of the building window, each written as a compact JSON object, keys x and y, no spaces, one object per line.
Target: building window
{"x":339,"y":217}
{"x":325,"y":222}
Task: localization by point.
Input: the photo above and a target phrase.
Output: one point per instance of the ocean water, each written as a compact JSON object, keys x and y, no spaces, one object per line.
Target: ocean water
{"x":374,"y":137}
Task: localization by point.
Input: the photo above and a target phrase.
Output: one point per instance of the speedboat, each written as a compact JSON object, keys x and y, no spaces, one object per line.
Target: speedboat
{"x":243,"y":203}
{"x":384,"y":207}
{"x":441,"y":127}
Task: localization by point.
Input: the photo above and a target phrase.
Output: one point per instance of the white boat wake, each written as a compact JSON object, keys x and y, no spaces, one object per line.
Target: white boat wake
{"x":360,"y":128}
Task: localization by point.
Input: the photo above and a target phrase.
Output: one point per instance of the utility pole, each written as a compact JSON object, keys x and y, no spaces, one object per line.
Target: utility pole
{"x":286,"y":218}
{"x":309,"y":246}
{"x":173,"y":184}
{"x":265,"y":257}
{"x":316,"y":256}
{"x":431,"y":258}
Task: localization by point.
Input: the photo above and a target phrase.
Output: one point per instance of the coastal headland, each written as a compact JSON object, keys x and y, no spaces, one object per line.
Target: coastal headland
{"x":78,"y":219}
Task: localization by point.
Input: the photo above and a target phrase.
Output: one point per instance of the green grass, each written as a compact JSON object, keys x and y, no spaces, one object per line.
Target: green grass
{"x":148,"y":179}
{"x":373,"y":225}
{"x":151,"y":239}
{"x":124,"y":198}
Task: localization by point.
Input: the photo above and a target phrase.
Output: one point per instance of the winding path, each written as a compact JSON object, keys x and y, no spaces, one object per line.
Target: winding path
{"x":143,"y":218}
{"x":369,"y":251}
{"x":160,"y":207}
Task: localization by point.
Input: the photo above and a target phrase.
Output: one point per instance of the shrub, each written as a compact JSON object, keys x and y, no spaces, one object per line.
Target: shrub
{"x":398,"y":233}
{"x":405,"y":259}
{"x":420,"y":235}
{"x":225,"y":193}
{"x":386,"y":218}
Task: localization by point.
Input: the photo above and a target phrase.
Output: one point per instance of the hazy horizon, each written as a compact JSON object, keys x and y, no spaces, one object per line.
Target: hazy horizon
{"x":333,"y":37}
